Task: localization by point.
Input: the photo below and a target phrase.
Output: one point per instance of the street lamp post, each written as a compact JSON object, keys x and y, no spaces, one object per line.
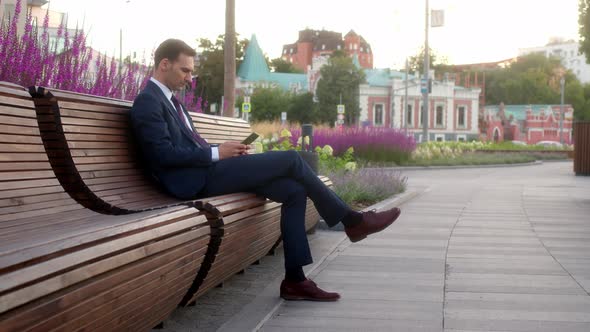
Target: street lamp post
{"x":405,"y":109}
{"x":425,"y":106}
{"x":562,"y":115}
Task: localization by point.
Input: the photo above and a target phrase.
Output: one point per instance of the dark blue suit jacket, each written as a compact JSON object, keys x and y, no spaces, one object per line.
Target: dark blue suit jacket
{"x":172,"y":156}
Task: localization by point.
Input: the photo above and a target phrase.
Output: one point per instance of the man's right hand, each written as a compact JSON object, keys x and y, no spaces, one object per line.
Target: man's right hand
{"x":232,"y":149}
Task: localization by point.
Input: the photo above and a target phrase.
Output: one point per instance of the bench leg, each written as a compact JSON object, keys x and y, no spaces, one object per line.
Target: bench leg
{"x":159,"y":326}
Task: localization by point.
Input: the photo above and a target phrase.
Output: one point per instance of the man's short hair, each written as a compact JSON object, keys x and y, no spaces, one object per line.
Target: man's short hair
{"x":170,"y":49}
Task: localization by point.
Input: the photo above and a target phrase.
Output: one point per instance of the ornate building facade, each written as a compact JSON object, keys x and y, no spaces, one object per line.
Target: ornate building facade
{"x":314,"y":44}
{"x":527,"y":123}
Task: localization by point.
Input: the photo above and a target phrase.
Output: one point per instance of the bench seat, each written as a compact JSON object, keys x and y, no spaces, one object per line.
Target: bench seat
{"x":66,"y":267}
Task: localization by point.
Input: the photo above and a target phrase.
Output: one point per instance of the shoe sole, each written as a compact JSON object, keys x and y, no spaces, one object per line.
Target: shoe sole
{"x":300,"y":298}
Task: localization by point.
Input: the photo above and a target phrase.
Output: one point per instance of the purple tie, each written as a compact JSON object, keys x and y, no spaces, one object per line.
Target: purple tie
{"x":181,"y":115}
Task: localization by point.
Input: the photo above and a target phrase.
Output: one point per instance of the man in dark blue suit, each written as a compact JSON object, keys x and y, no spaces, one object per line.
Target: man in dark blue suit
{"x":188,"y":167}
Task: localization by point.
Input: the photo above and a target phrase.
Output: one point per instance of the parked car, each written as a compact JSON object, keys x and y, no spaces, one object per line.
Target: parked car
{"x":518,"y":142}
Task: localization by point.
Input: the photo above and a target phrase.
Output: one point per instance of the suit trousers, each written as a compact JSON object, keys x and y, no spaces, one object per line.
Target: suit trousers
{"x":284,"y":177}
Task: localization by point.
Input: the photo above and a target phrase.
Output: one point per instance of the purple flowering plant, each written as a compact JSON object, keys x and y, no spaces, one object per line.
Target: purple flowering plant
{"x":31,"y":59}
{"x":369,"y":143}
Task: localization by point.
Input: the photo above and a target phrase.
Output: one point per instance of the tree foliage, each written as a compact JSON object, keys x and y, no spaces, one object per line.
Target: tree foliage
{"x":535,"y":79}
{"x":303,"y":109}
{"x":211,"y":67}
{"x":437,"y":62}
{"x":340,"y":77}
{"x":268,"y":103}
{"x":280,"y":65}
{"x":584,"y":27}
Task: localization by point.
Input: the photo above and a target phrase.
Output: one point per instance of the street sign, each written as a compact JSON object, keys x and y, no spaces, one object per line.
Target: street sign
{"x":247,"y":99}
{"x":423,"y":85}
{"x":340,"y":109}
{"x":340,"y":116}
{"x":246,"y":107}
{"x":283,"y":116}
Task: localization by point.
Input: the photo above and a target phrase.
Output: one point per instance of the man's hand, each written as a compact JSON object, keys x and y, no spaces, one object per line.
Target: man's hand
{"x":232,"y":149}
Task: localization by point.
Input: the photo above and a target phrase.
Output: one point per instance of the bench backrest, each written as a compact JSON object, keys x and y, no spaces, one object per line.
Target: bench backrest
{"x":28,"y":185}
{"x":96,"y":159}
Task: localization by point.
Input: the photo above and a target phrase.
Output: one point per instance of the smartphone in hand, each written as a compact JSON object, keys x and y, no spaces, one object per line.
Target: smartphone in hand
{"x":250,"y":139}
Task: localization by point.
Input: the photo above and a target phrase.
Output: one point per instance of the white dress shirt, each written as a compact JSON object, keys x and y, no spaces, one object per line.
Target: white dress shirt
{"x":168,"y":94}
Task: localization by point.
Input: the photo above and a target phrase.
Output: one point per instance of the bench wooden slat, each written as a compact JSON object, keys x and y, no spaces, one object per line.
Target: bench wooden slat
{"x":15,"y":156}
{"x":22,"y":166}
{"x":72,"y":309}
{"x":98,"y":152}
{"x":95,"y":130}
{"x":10,"y":129}
{"x":15,"y":147}
{"x":82,"y":111}
{"x":19,"y":139}
{"x":18,"y":112}
{"x":106,"y":139}
{"x":93,"y":123}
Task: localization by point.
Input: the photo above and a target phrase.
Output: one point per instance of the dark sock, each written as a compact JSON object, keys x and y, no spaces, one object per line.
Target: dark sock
{"x":352,"y":218}
{"x":295,"y":274}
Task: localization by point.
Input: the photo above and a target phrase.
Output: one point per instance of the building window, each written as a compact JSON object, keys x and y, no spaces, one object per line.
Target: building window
{"x":409,"y":115}
{"x":461,"y":138}
{"x":323,"y":46}
{"x":461,"y":115}
{"x":439,"y":120}
{"x":439,"y":138}
{"x":361,"y":49}
{"x":338,"y":47}
{"x":378,"y":114}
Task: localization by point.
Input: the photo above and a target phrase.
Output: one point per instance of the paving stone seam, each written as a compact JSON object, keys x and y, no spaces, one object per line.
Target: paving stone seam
{"x":548,"y":251}
{"x":446,"y":259}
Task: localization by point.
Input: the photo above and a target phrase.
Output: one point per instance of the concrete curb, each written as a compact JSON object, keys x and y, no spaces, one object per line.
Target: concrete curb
{"x":394,"y":201}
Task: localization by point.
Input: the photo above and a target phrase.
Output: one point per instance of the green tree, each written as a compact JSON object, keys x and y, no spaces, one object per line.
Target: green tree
{"x":584,"y":27}
{"x":268,"y":103}
{"x":279,"y":65}
{"x":211,"y":67}
{"x":303,"y":109}
{"x":535,"y":79}
{"x":340,"y":77}
{"x":438,"y":63}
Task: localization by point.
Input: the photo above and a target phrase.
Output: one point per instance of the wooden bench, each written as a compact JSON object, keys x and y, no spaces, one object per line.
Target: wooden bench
{"x":66,"y":267}
{"x":95,"y":160}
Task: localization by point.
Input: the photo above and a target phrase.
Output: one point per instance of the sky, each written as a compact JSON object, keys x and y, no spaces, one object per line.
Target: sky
{"x":474,"y":31}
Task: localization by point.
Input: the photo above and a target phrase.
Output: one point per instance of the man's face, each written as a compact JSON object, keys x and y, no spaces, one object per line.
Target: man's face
{"x":178,"y":73}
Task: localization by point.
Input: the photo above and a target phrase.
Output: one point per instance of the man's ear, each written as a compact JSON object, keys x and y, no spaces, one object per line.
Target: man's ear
{"x":165,"y":64}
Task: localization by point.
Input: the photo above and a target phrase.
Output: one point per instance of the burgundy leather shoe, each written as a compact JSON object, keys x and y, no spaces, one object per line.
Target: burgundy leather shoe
{"x":373,"y":222}
{"x":306,"y":290}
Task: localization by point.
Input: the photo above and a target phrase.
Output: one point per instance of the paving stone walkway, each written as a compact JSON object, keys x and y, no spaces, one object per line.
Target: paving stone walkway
{"x":485,"y":249}
{"x":481,"y":249}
